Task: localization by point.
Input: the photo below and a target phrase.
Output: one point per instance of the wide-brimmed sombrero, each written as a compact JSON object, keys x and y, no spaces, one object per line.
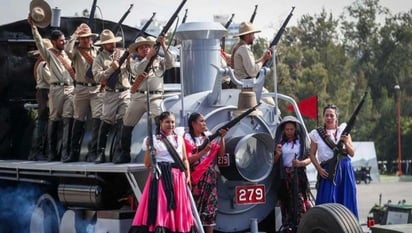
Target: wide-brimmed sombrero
{"x":85,"y":31}
{"x":150,"y":40}
{"x":246,"y":28}
{"x":107,"y":37}
{"x":40,"y":13}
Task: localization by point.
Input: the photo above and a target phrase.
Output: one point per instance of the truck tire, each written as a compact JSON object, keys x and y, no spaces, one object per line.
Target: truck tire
{"x":331,"y":217}
{"x":46,"y":215}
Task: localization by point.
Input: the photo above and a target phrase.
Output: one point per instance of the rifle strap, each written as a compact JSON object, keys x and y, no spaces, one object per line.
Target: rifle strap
{"x":86,"y":55}
{"x":232,"y":58}
{"x":137,"y":82}
{"x":66,"y":65}
{"x":328,"y":141}
{"x":172,"y":151}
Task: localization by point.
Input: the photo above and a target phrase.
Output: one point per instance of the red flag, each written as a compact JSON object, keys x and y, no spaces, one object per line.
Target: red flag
{"x":308,"y":107}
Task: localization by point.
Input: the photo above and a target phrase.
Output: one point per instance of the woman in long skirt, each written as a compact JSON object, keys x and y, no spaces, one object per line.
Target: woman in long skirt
{"x":204,"y":174}
{"x":339,"y":187}
{"x":165,"y":205}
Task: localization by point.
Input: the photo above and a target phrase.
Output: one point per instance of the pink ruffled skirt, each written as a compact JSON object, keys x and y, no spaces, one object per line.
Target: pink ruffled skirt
{"x":179,"y":219}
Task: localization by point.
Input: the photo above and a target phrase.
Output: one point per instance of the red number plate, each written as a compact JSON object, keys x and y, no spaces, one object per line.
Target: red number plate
{"x":223,"y":161}
{"x":250,"y":194}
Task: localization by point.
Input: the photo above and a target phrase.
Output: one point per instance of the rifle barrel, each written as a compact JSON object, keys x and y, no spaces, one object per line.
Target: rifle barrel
{"x":91,"y":16}
{"x":278,"y":35}
{"x":163,"y":32}
{"x":227,"y":126}
{"x":252,"y":18}
{"x":184,"y":17}
{"x":117,"y":26}
{"x":227,"y":24}
{"x":111,"y":82}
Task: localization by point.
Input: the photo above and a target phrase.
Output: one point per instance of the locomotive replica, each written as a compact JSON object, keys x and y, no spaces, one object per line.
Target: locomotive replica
{"x":85,"y":197}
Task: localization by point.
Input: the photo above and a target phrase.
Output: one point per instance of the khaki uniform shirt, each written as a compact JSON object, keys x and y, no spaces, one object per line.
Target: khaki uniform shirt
{"x":244,"y":62}
{"x":80,"y":63}
{"x":102,"y":69}
{"x":43,"y":76}
{"x":59,"y":74}
{"x":154,"y":76}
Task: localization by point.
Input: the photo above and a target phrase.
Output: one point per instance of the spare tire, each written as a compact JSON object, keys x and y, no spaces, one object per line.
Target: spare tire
{"x":330,"y":217}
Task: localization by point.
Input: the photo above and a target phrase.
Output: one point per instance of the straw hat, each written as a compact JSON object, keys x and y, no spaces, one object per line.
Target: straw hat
{"x":107,"y":37}
{"x":84,"y":31}
{"x":46,"y":43}
{"x":150,"y":40}
{"x":40,"y":13}
{"x":246,"y":28}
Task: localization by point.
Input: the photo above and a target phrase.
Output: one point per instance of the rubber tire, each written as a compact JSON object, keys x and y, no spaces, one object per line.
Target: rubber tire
{"x":330,"y":217}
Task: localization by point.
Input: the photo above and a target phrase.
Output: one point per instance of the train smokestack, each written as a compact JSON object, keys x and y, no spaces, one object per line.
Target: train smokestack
{"x":200,"y":50}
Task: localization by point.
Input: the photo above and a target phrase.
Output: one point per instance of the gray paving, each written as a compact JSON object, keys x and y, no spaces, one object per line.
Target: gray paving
{"x":390,"y":188}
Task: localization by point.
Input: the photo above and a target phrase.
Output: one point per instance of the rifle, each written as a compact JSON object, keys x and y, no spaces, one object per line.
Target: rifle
{"x":111,"y":81}
{"x":223,"y":43}
{"x":227,"y":126}
{"x":184,"y":17}
{"x":155,"y":168}
{"x":295,"y":198}
{"x":183,"y":21}
{"x":90,"y":22}
{"x":252,"y":18}
{"x":338,"y":149}
{"x":89,"y":72}
{"x":278,"y":35}
{"x":162,"y":33}
{"x":117,"y":26}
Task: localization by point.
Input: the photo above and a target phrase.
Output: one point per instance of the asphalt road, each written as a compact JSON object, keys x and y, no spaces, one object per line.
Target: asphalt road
{"x":390,"y":188}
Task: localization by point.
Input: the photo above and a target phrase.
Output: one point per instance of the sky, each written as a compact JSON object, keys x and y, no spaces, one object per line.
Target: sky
{"x":269,"y":17}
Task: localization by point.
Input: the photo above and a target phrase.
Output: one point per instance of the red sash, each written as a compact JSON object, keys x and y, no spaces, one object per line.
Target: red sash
{"x":198,"y":171}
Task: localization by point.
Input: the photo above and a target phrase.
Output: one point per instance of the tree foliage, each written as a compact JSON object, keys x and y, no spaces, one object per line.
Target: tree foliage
{"x":339,"y":58}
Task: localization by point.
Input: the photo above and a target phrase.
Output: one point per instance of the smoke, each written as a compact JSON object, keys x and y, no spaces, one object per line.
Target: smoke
{"x":17,"y":202}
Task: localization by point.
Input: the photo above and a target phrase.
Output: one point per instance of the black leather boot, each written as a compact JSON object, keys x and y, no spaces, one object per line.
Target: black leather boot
{"x":92,"y":146}
{"x":52,"y":141}
{"x":66,"y":137}
{"x":125,"y":142}
{"x":103,"y":133}
{"x":39,"y":141}
{"x":76,"y":141}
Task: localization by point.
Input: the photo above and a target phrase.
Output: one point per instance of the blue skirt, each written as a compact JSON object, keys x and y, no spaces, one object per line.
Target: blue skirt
{"x":340,"y":190}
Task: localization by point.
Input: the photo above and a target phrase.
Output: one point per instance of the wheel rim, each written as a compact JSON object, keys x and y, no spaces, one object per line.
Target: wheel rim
{"x":45,"y":217}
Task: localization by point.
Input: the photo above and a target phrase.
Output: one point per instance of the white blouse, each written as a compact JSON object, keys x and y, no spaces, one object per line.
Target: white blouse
{"x":289,"y":150}
{"x":162,"y":154}
{"x":324,"y":151}
{"x":198,"y":141}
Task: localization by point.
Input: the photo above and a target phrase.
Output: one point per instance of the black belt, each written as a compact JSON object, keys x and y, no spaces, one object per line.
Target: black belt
{"x":59,"y":84}
{"x":117,"y":90}
{"x":87,"y":84}
{"x":151,"y":92}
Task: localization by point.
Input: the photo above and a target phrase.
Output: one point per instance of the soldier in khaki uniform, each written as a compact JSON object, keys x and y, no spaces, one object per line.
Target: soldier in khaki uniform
{"x":117,"y":97}
{"x":61,"y":79}
{"x":41,"y":73}
{"x":138,"y":105}
{"x":243,"y":61}
{"x":87,"y":97}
